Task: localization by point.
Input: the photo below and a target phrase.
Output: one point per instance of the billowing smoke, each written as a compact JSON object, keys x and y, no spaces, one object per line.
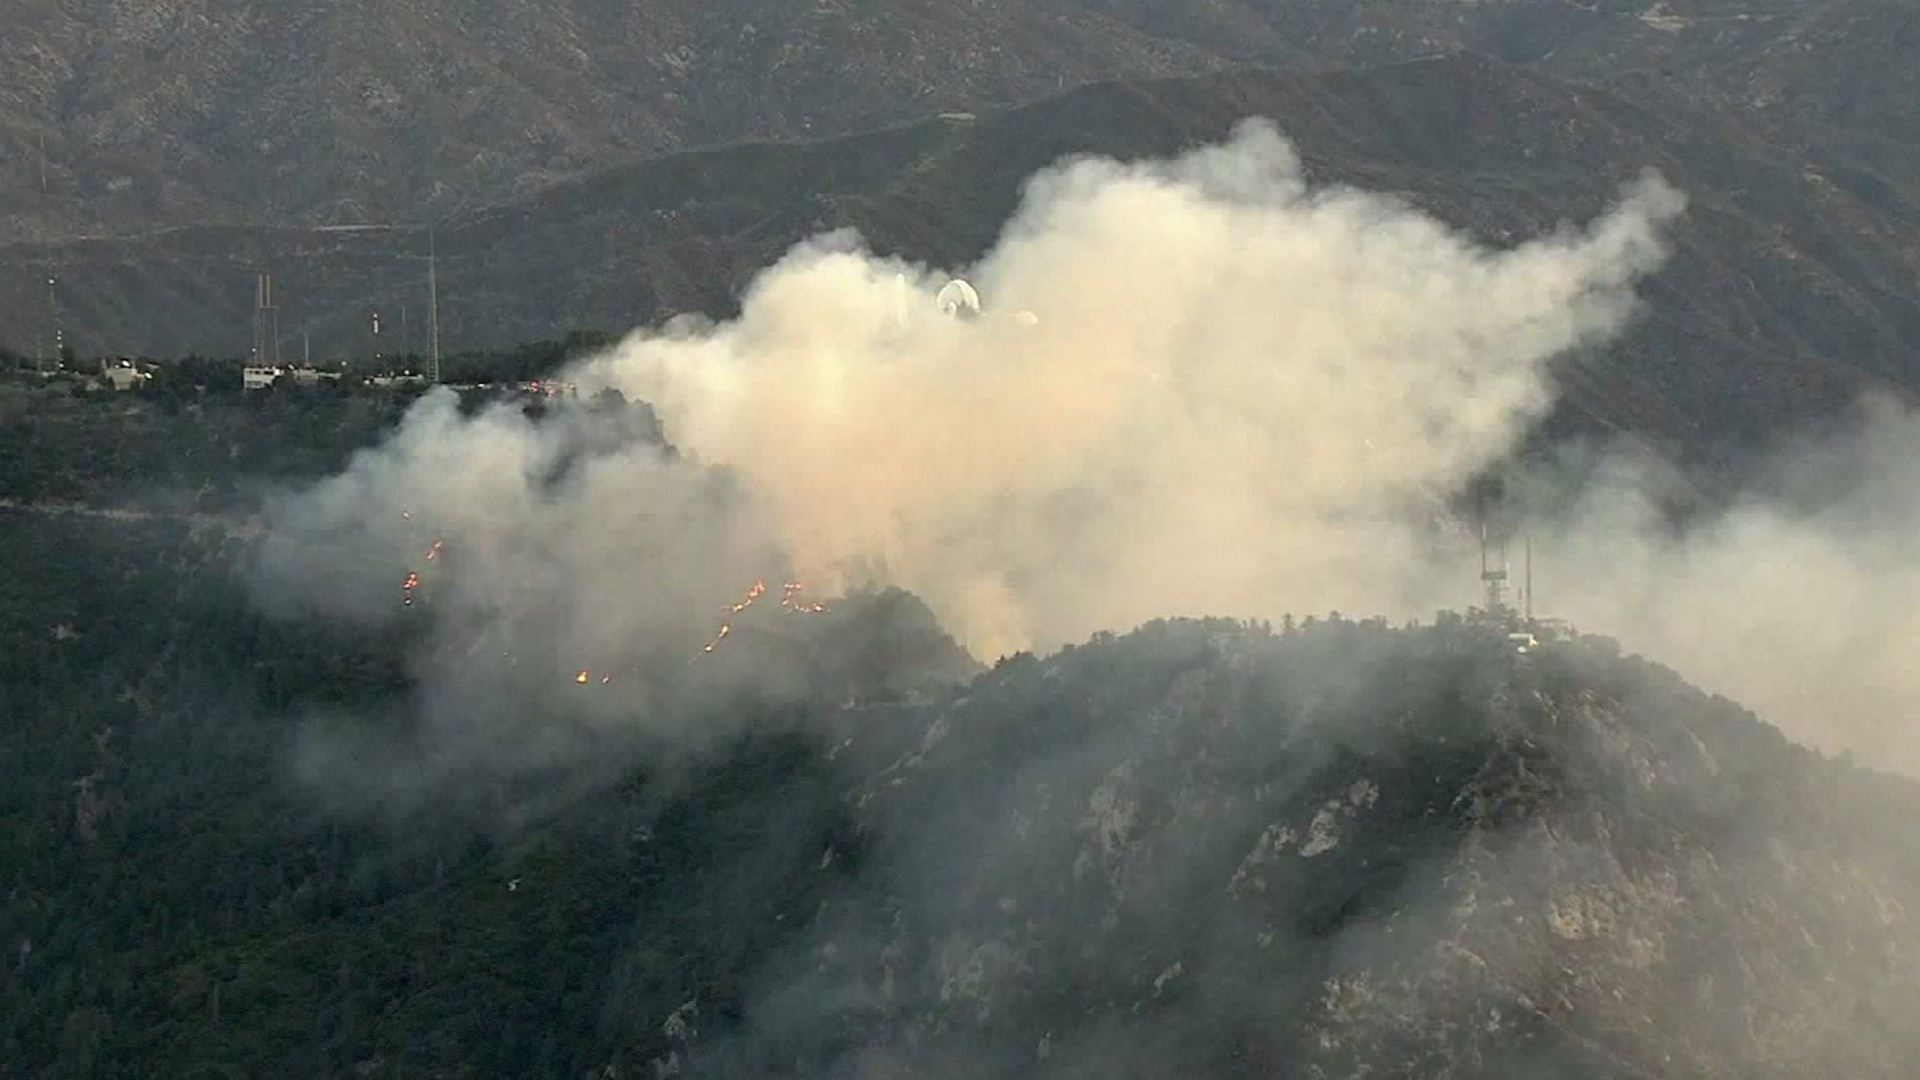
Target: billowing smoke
{"x":1797,"y":601}
{"x":567,"y":567}
{"x":1231,"y":391}
{"x":1196,"y":386}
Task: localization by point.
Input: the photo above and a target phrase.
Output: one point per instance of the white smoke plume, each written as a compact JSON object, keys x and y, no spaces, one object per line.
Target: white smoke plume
{"x":1235,"y":388}
{"x":1198,"y":386}
{"x":1797,"y":601}
{"x":1236,"y":394}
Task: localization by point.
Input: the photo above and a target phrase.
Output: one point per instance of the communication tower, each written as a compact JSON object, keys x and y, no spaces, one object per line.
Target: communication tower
{"x":1493,"y":568}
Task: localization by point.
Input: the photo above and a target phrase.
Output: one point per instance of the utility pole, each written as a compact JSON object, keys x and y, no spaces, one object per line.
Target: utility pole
{"x":43,"y":163}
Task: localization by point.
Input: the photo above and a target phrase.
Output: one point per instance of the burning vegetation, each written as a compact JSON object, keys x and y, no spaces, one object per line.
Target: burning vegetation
{"x":789,"y":602}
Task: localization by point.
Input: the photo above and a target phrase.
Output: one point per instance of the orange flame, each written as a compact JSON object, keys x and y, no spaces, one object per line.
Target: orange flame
{"x":758,"y":590}
{"x":789,"y":600}
{"x":755,"y":592}
{"x":413,"y":580}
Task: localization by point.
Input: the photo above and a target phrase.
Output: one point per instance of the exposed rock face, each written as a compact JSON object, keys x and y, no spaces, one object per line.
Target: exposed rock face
{"x":1354,"y":851}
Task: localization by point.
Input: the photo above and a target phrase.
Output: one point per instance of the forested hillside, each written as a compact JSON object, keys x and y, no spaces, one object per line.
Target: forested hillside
{"x":1312,"y":848}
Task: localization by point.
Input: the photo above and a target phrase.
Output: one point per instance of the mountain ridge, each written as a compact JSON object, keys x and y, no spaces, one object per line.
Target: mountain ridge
{"x":1502,"y":152}
{"x":1573,"y":819}
{"x":169,"y":111}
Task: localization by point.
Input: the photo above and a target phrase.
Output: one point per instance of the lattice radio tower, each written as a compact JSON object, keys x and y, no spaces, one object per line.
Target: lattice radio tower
{"x":266,"y":323}
{"x":1493,"y":568}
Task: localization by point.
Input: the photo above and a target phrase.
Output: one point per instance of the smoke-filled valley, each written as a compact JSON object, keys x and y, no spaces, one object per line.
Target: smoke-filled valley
{"x":1092,"y":684}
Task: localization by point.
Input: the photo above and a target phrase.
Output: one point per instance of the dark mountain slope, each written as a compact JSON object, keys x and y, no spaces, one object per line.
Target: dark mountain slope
{"x":1789,"y":285}
{"x":1202,"y":847}
{"x":1353,"y":850}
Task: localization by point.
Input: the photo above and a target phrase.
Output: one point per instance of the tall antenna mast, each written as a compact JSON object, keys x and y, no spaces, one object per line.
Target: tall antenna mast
{"x":433,"y":311}
{"x":1529,"y":592}
{"x":53,"y":322}
{"x":55,"y":338}
{"x":273,"y":322}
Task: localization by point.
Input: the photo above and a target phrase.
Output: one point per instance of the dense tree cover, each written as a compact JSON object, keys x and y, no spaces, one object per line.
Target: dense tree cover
{"x":178,"y":905}
{"x":528,"y":361}
{"x":199,"y":451}
{"x":191,"y":437}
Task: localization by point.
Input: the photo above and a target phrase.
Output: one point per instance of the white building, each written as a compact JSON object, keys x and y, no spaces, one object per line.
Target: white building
{"x":258,"y":378}
{"x":310,"y":376}
{"x":389,"y":379}
{"x":123,"y":374}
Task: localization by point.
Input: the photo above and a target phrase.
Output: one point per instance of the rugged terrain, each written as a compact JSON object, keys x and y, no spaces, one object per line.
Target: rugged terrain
{"x":1791,"y":281}
{"x":1204,"y":847}
{"x":162,"y":112}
